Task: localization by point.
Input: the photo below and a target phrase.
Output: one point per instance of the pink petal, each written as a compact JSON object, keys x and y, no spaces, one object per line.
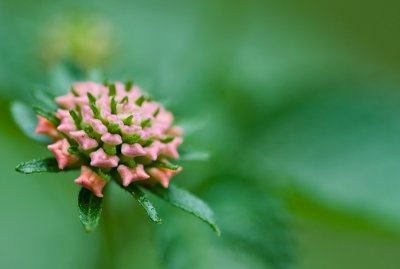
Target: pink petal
{"x":132,"y":150}
{"x":98,"y":126}
{"x":100,"y":159}
{"x":130,"y":175}
{"x":66,"y":101}
{"x":154,"y":149}
{"x":60,"y":151}
{"x":84,"y":140}
{"x":46,"y":127}
{"x":91,"y":181}
{"x":171,"y":149}
{"x":112,"y":139}
{"x":163,"y":176}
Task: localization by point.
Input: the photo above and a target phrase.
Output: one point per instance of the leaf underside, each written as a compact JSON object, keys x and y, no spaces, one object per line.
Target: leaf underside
{"x":187,"y":202}
{"x":90,"y":207}
{"x":143,"y":201}
{"x":25,"y":118}
{"x":38,"y":166}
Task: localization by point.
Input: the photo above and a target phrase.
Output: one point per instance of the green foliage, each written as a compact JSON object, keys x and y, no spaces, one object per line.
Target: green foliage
{"x":47,"y":114}
{"x":26,"y":120}
{"x":39,"y":166}
{"x":187,"y":202}
{"x":255,"y":233}
{"x":341,"y":149}
{"x":143,"y":201}
{"x":90,"y":207}
{"x":165,"y":165}
{"x":191,"y":155}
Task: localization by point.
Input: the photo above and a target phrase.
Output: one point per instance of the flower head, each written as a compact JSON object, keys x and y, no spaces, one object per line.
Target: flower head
{"x":114,"y":132}
{"x":115,"y":128}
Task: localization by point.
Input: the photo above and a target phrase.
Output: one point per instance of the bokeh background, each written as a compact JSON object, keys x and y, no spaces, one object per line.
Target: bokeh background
{"x":297,"y":103}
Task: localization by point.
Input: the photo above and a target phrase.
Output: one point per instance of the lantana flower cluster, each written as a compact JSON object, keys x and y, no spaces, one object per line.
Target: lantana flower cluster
{"x":112,"y":129}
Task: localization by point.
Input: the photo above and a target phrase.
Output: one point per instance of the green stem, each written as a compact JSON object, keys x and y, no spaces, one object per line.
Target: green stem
{"x":107,"y":258}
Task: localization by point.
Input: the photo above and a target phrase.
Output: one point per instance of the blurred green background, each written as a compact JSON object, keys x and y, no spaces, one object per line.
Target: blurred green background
{"x":298,"y":105}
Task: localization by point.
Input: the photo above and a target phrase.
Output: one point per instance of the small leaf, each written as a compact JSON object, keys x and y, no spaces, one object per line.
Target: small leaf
{"x":39,"y":166}
{"x":128,"y":85}
{"x":112,"y":89}
{"x":92,"y":99}
{"x":140,"y":100}
{"x":188,"y":202}
{"x":47,"y":114}
{"x":124,"y":100}
{"x":26,"y":120}
{"x":142,"y":199}
{"x":90,"y":207}
{"x":169,"y":166}
{"x":77,"y":119}
{"x":155,"y":114}
{"x":167,"y":139}
{"x":146,"y":123}
{"x":113,"y":106}
{"x":128,"y":120}
{"x":45,"y":99}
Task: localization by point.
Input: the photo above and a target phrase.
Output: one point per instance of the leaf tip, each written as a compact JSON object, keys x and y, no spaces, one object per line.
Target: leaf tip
{"x":89,"y":228}
{"x":217,"y":230}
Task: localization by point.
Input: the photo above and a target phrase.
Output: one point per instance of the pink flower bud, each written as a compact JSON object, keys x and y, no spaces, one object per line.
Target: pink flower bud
{"x":154,"y":149}
{"x":112,"y":129}
{"x":98,"y":126}
{"x":87,"y":113}
{"x":84,"y":140}
{"x":66,"y":101}
{"x":132,"y":150}
{"x":60,"y":151}
{"x":130,"y":129}
{"x":91,"y":181}
{"x":82,"y":88}
{"x":100,"y":159}
{"x":171,"y":149}
{"x":46,"y":127}
{"x":66,"y":126}
{"x":162,"y":175}
{"x":112,"y":139}
{"x":129,"y":175}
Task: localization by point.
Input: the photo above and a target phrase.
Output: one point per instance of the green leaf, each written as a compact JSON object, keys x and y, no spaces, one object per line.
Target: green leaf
{"x":47,"y":114}
{"x":155,"y":114}
{"x":169,"y":166}
{"x":189,"y":155}
{"x":255,"y":231}
{"x":26,"y":120}
{"x":128,"y":85}
{"x":146,"y":123}
{"x":39,"y":166}
{"x":45,"y":99}
{"x":61,"y":79}
{"x":167,"y":139}
{"x":341,"y":149}
{"x":128,"y":120}
{"x":142,"y":199}
{"x":188,"y":202}
{"x":140,"y":100}
{"x":113,"y":106}
{"x":112,"y":89}
{"x":90,"y":207}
